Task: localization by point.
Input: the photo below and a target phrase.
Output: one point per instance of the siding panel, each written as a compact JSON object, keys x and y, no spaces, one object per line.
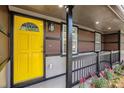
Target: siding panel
{"x":86,"y":46}
{"x":52,"y":47}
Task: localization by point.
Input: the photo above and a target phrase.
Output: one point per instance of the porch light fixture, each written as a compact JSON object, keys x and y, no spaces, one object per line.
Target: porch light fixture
{"x":109,"y":28}
{"x":60,"y":6}
{"x":51,"y":26}
{"x":97,"y":22}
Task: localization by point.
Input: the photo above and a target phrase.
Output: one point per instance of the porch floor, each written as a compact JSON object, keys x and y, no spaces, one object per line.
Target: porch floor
{"x":58,"y":82}
{"x":54,"y":83}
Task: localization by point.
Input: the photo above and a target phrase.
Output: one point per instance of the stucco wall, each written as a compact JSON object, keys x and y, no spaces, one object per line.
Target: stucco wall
{"x":55,"y":65}
{"x":3,"y":78}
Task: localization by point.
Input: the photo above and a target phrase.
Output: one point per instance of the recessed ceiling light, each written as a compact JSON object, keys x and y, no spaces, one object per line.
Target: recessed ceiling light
{"x":97,"y":22}
{"x":60,"y":6}
{"x":109,"y":28}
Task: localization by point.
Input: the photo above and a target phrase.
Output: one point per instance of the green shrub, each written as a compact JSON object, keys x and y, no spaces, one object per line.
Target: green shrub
{"x":100,"y":82}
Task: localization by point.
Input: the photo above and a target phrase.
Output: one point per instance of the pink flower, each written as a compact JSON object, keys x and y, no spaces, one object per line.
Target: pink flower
{"x":107,"y":66}
{"x":82,"y":80}
{"x":111,"y":70}
{"x":102,"y":72}
{"x":92,"y":74}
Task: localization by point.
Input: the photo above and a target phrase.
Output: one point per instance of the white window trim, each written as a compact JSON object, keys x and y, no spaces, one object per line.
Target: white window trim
{"x":63,"y":28}
{"x":98,"y":41}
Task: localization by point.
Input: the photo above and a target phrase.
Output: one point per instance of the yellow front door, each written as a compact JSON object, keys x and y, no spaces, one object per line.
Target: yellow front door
{"x":28,"y":49}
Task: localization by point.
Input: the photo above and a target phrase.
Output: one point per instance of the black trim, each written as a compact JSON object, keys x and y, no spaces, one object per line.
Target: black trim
{"x":111,"y":56}
{"x":47,"y":55}
{"x":111,"y":34}
{"x":119,"y":45}
{"x":110,"y":50}
{"x":44,"y":49}
{"x":94,"y":41}
{"x":27,"y":83}
{"x":11,"y":48}
{"x":104,"y":61}
{"x":86,"y":51}
{"x":84,"y":67}
{"x":61,"y":39}
{"x":69,"y":21}
{"x":109,"y":42}
{"x":52,"y":38}
{"x":85,"y":41}
{"x":78,"y":41}
{"x":98,"y":63}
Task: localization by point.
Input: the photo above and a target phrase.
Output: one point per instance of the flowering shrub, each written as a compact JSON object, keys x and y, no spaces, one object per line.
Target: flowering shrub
{"x":109,"y":78}
{"x":82,"y":83}
{"x":108,"y":72}
{"x":100,"y":82}
{"x":119,"y":70}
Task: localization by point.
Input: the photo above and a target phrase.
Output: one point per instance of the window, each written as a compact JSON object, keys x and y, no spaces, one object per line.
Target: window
{"x":29,"y":27}
{"x":74,"y":40}
{"x":97,"y":42}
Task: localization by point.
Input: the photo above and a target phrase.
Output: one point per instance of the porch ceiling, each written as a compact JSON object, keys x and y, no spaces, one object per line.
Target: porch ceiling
{"x":85,"y":15}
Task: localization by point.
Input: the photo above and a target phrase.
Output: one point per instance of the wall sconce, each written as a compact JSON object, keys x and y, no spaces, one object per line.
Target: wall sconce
{"x":51,"y":26}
